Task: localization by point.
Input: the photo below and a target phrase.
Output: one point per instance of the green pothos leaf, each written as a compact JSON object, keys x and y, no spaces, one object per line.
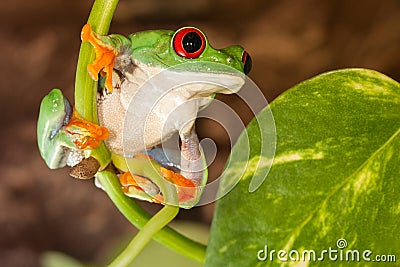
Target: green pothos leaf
{"x":332,"y":197}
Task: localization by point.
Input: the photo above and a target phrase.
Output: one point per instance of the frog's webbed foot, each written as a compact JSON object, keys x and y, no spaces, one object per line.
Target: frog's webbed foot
{"x":144,"y":184}
{"x":139,"y":187}
{"x":85,"y":134}
{"x":105,"y":57}
{"x":186,"y":188}
{"x":143,"y":188}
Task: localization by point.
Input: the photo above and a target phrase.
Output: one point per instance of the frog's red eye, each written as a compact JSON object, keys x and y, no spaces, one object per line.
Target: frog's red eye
{"x":247,"y":62}
{"x":189,"y":42}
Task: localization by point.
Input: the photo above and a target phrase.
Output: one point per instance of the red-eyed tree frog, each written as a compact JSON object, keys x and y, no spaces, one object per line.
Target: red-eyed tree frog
{"x":151,"y":85}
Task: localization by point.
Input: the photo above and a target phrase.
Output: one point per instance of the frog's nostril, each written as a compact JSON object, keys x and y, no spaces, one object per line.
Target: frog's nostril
{"x":246,"y":59}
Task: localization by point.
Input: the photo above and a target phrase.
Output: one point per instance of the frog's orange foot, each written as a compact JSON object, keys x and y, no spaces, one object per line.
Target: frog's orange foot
{"x":140,"y":187}
{"x":105,"y":57}
{"x":186,"y":189}
{"x":85,"y":134}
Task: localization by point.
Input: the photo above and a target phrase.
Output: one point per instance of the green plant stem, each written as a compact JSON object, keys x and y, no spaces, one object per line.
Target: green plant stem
{"x":85,"y":88}
{"x":139,"y":217}
{"x":158,"y":221}
{"x":85,"y":104}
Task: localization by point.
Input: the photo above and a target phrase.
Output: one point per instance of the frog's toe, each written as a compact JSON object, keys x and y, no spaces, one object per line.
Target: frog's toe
{"x":186,"y":189}
{"x":139,"y":187}
{"x":105,"y":56}
{"x":85,"y":134}
{"x":86,"y":33}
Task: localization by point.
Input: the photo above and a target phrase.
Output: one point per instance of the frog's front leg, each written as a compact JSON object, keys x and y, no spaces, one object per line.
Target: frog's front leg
{"x":191,"y":179}
{"x":191,"y":162}
{"x":105,"y":56}
{"x":107,"y":48}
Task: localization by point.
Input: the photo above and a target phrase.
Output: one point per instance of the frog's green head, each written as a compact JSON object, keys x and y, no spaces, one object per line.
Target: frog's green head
{"x":187,"y":45}
{"x":187,"y":56}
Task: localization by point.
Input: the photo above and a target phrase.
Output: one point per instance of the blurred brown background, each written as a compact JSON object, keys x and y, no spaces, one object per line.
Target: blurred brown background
{"x":289,"y":41}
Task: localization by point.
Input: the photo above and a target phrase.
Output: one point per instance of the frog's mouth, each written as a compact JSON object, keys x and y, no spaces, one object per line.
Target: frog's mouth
{"x":197,"y":79}
{"x":205,"y":83}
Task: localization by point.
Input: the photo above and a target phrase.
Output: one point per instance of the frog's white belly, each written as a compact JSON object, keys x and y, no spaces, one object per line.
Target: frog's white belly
{"x":144,"y":124}
{"x":151,"y":105}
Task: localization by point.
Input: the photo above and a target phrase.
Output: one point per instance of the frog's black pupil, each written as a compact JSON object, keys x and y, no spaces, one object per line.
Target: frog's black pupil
{"x":247,"y":64}
{"x":191,"y":42}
